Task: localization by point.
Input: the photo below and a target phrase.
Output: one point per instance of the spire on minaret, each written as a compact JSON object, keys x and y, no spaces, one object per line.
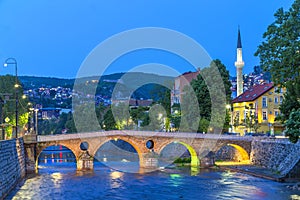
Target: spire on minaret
{"x":239,"y":42}
{"x":239,"y":64}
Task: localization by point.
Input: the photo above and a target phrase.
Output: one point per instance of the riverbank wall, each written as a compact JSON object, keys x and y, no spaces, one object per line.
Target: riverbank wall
{"x":12,"y":164}
{"x":280,"y":156}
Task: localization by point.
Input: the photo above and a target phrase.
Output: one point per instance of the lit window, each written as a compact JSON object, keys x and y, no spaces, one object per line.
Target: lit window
{"x":264,"y":115}
{"x":276,"y":100}
{"x":264,"y":102}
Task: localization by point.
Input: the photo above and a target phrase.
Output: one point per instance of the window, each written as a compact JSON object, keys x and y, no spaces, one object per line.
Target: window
{"x":281,"y":99}
{"x":245,"y":114}
{"x":264,"y":115}
{"x":276,"y":113}
{"x":264,"y":102}
{"x":276,"y":100}
{"x":237,"y":115}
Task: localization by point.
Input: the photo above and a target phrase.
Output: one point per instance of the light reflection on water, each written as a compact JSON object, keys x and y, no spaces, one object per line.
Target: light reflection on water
{"x":65,"y":182}
{"x":60,"y":180}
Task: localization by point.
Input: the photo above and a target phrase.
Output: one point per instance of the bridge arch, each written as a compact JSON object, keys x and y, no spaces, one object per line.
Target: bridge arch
{"x":195,"y":162}
{"x":40,"y":150}
{"x":242,"y":154}
{"x":94,"y":148}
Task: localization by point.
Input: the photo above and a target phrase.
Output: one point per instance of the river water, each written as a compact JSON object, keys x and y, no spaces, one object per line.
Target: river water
{"x":58,"y":179}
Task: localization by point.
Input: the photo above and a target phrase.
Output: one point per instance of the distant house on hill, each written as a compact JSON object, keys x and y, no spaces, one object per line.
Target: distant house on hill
{"x":133,"y":103}
{"x":49,"y":113}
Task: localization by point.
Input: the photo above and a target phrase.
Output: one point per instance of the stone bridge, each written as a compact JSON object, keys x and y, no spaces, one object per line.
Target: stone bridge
{"x":147,"y":145}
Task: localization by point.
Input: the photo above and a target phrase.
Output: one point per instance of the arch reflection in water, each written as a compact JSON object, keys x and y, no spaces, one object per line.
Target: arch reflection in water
{"x":56,"y":156}
{"x":119,"y":155}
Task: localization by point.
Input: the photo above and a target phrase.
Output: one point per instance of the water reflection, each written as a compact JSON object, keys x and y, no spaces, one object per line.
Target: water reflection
{"x":56,"y":154}
{"x":59,"y":180}
{"x":176,"y":183}
{"x":176,"y":179}
{"x":116,"y":179}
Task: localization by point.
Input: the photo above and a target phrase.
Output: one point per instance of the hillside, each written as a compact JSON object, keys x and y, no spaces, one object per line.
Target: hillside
{"x":105,"y":85}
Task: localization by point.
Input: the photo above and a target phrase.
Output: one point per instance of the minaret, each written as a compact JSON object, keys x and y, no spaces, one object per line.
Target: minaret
{"x":239,"y":64}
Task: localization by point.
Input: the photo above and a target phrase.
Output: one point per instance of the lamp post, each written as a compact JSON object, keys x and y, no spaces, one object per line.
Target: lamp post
{"x":13,"y":61}
{"x":228,"y":107}
{"x":36,"y":120}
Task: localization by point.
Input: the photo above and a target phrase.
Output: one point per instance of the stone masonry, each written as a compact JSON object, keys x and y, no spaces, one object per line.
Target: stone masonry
{"x":281,"y":156}
{"x":12,"y":164}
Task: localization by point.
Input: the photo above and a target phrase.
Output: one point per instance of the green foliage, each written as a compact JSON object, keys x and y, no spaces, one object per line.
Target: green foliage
{"x":162,"y":95}
{"x":201,"y":88}
{"x":251,"y":123}
{"x":293,"y":126}
{"x":109,"y":122}
{"x":279,"y":53}
{"x":182,"y":160}
{"x":203,"y":125}
{"x":8,"y":95}
{"x":291,"y":100}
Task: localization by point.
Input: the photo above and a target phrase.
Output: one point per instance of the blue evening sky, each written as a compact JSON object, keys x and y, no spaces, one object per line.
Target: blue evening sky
{"x":53,"y":37}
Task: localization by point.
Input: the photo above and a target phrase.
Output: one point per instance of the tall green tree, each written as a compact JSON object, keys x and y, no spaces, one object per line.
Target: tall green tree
{"x":202,"y":92}
{"x":293,"y":126}
{"x":162,"y":95}
{"x":279,"y":54}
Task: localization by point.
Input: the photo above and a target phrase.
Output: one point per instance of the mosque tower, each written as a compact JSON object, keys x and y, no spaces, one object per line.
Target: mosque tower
{"x":239,"y":64}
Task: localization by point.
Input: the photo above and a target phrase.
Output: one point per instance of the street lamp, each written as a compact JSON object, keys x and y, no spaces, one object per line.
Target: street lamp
{"x":13,"y":61}
{"x":228,"y":107}
{"x":36,"y":121}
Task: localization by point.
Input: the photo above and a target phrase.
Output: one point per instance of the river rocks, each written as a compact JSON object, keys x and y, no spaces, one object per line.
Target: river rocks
{"x":294,"y":187}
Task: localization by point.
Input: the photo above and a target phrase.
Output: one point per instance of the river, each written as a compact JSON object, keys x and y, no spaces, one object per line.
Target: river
{"x":58,"y":179}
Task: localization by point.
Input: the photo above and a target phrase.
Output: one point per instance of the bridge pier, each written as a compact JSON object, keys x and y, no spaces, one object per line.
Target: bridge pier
{"x":149,"y":160}
{"x":85,"y":161}
{"x":30,"y":142}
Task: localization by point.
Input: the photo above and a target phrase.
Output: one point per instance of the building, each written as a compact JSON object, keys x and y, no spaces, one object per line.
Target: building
{"x":133,"y":103}
{"x":255,"y":110}
{"x":179,"y":84}
{"x":48,"y":113}
{"x":239,"y":64}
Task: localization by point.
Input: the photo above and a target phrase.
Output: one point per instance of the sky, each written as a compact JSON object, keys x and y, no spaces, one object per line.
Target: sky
{"x":52,"y":38}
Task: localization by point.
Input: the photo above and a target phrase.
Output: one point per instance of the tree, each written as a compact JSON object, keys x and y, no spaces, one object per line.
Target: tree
{"x":8,"y":94}
{"x":293,"y":126}
{"x":280,"y":52}
{"x":162,"y":95}
{"x":290,"y":101}
{"x":280,"y":55}
{"x":202,"y":92}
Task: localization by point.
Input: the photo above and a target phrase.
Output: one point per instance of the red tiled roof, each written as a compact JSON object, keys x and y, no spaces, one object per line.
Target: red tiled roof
{"x":189,"y":76}
{"x":253,"y":93}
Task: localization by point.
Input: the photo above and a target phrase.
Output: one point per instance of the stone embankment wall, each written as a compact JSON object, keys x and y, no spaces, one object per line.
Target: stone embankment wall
{"x":12,"y":164}
{"x":279,"y":155}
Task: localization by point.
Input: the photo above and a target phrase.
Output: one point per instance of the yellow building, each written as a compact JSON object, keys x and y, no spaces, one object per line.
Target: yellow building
{"x":255,"y":110}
